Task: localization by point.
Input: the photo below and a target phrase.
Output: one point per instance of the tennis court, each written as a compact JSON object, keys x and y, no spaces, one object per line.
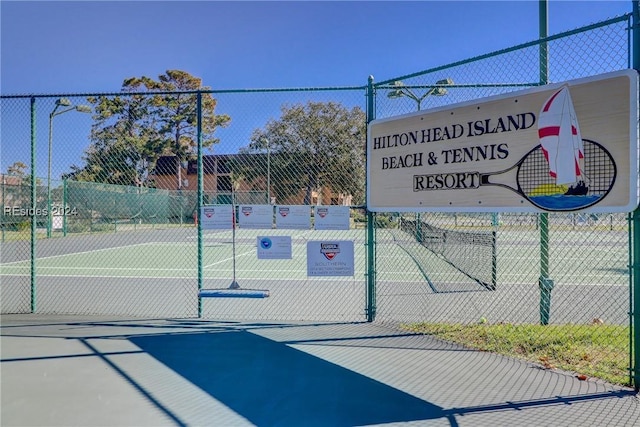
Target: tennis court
{"x":589,"y":269}
{"x":151,"y":272}
{"x":157,"y":270}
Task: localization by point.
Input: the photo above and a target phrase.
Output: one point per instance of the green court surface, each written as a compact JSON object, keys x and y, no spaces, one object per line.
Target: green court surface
{"x":156,"y":273}
{"x":179,"y":259}
{"x":572,"y":262}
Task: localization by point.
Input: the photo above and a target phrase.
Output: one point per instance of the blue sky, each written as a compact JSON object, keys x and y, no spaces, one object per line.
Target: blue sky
{"x":57,"y":47}
{"x":89,"y":46}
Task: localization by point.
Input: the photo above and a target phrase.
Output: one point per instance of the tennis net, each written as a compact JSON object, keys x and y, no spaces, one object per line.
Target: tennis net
{"x":473,"y":253}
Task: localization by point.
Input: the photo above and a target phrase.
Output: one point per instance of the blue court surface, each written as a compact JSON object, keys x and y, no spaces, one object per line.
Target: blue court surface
{"x":105,"y":371}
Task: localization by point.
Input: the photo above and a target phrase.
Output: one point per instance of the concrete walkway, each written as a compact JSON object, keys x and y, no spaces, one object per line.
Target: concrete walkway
{"x":89,"y":371}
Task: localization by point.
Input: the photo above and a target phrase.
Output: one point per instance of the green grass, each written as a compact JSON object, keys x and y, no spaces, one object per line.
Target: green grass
{"x":596,"y":350}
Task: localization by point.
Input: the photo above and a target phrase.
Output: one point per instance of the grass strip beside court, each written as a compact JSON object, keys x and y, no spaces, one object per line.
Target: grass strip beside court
{"x":595,"y":350}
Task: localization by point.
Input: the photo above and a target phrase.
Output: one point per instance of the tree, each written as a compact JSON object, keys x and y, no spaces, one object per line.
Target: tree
{"x":17,"y":169}
{"x":320,"y":145}
{"x":125,"y":142}
{"x":152,"y":118}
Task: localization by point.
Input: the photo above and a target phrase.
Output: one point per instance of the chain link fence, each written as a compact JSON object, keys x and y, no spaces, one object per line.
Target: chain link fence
{"x":110,"y":224}
{"x":102,"y":193}
{"x":556,"y":278}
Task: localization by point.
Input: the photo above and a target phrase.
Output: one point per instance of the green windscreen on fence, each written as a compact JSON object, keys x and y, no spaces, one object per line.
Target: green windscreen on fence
{"x":91,"y":205}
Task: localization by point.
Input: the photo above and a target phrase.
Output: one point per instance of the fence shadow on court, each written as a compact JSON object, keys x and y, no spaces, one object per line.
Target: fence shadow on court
{"x":254,"y":370}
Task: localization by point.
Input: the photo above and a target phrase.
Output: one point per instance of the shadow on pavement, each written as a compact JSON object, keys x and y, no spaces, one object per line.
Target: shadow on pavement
{"x":269,"y":383}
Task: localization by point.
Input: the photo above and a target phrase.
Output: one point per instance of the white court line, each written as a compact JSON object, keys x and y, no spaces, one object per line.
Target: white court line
{"x":117,"y":268}
{"x":188,"y":270}
{"x":106,"y":277}
{"x":383,"y":284}
{"x":218,"y":234}
{"x":228,"y":259}
{"x":188,"y":278}
{"x":80,"y":253}
{"x":252,"y":251}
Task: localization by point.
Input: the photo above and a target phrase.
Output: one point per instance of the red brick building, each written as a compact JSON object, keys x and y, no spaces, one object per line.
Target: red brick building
{"x":217,"y":184}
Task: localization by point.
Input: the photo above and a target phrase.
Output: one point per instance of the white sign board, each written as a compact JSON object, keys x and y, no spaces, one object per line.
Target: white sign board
{"x":330,"y":258}
{"x":331,"y":217}
{"x":216,"y":217}
{"x":293,"y":217}
{"x":569,"y":146}
{"x":255,"y":216}
{"x":274,"y":247}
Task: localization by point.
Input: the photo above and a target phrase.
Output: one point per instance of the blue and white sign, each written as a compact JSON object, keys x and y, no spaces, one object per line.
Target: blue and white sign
{"x":331,"y":217}
{"x":293,"y":217}
{"x":330,"y":258}
{"x":216,"y":217}
{"x":274,"y":247}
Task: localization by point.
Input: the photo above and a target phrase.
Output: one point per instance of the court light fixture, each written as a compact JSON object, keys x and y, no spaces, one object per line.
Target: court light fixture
{"x":400,"y":90}
{"x":62,"y":102}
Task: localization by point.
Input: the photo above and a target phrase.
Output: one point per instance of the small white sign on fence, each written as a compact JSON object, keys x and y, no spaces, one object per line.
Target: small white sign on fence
{"x":293,"y":217}
{"x":216,"y":217}
{"x":274,"y":247}
{"x":331,"y":217}
{"x":255,"y":216}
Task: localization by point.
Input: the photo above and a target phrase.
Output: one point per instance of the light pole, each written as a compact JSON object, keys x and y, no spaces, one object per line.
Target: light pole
{"x":268,"y":171}
{"x":182,"y":182}
{"x":61,"y":102}
{"x":399,"y":91}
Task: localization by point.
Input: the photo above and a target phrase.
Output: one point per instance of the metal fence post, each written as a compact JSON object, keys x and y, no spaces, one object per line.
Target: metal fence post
{"x":544,"y":282}
{"x":34,"y":194}
{"x":635,"y":235}
{"x":199,"y":196}
{"x":371,"y":250}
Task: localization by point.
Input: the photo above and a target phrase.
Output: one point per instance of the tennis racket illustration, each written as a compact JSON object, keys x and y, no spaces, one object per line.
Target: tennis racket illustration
{"x":533,"y":182}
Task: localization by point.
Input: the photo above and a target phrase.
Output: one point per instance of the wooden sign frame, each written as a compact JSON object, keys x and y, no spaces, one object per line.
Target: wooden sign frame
{"x":494,"y":154}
